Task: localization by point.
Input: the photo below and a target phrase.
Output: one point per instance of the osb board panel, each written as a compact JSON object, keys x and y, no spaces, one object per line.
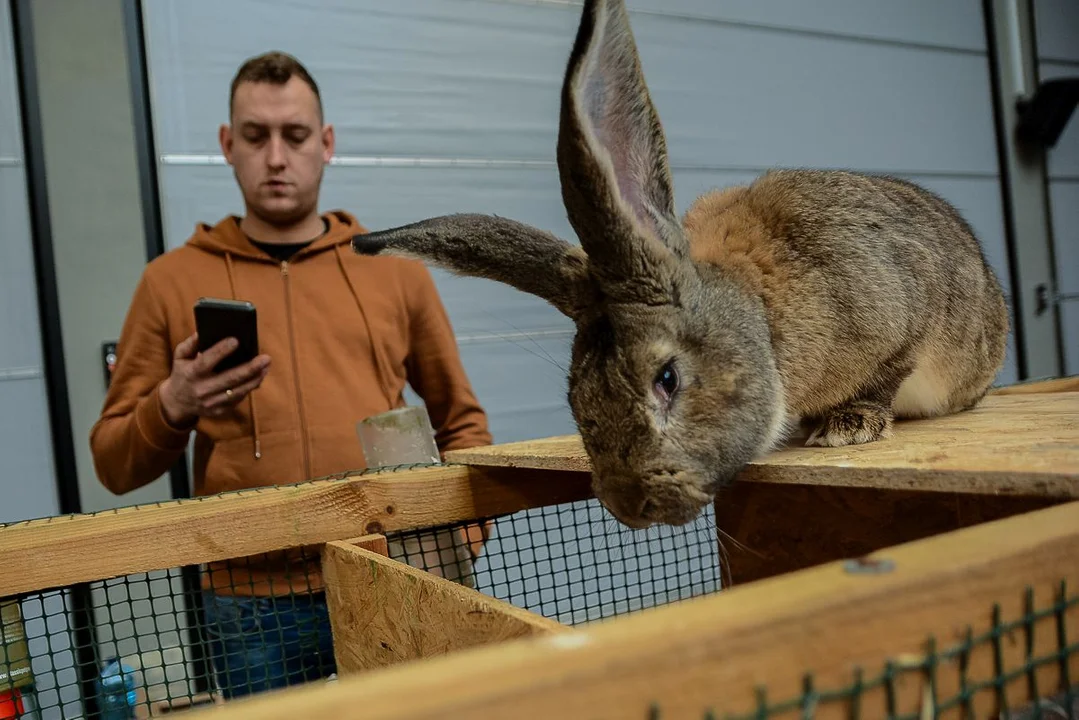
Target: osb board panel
{"x":384,"y":612}
{"x":1014,"y":444}
{"x":767,"y":529}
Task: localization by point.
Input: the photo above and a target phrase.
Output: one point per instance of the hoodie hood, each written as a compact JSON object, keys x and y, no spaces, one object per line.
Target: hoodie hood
{"x":226,"y":237}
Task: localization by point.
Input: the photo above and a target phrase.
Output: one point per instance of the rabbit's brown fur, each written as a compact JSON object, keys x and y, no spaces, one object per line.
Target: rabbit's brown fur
{"x":835,"y":299}
{"x":813,"y":243}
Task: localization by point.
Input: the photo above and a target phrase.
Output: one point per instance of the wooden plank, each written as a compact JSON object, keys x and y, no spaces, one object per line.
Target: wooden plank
{"x":561,"y":452}
{"x":384,"y":612}
{"x":373,"y":543}
{"x":766,"y":529}
{"x":1069,"y":383}
{"x":714,"y":652}
{"x":1019,"y":444}
{"x":55,"y":552}
{"x":1009,"y":445}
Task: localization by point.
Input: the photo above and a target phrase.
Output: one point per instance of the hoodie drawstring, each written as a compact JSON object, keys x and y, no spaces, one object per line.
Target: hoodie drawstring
{"x":380,"y":363}
{"x":255,"y":437}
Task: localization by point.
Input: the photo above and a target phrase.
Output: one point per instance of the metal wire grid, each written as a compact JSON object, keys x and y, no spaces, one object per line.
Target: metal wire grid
{"x":571,"y":563}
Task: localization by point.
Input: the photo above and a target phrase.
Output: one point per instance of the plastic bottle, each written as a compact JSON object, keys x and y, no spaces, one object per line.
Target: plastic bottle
{"x":18,"y":699}
{"x":116,"y":695}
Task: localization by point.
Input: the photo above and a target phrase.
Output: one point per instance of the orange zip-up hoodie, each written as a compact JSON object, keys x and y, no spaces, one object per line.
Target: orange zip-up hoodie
{"x":344,"y":333}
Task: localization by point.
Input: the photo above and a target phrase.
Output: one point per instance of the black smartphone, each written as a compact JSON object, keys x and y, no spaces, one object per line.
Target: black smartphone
{"x":217,"y":319}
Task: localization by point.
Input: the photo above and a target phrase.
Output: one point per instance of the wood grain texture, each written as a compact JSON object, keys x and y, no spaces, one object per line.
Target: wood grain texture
{"x":770,"y":528}
{"x":54,"y":552}
{"x":375,"y":543}
{"x":714,"y":652}
{"x":561,"y":452}
{"x":384,"y":612}
{"x":1015,"y":444}
{"x":1068,"y":383}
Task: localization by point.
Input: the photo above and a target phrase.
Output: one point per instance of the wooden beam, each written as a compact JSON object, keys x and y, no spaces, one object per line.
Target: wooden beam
{"x":55,"y":552}
{"x":714,"y":652}
{"x":1068,"y":383}
{"x":1018,"y":444}
{"x":384,"y":612}
{"x":373,"y":543}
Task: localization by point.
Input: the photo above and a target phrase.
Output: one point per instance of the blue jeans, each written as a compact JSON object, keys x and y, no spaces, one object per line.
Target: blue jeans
{"x":259,"y":643}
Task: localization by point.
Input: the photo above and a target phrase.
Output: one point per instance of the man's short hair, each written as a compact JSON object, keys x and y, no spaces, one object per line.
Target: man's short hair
{"x":274,"y":67}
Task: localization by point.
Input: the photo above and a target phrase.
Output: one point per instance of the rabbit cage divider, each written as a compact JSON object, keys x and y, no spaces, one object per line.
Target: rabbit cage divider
{"x":962,"y":598}
{"x":549,"y":547}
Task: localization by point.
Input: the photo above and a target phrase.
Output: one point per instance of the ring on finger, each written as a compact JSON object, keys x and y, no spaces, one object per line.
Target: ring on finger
{"x":228,"y":392}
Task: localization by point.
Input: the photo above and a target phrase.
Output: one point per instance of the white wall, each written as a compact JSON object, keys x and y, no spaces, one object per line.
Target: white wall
{"x":1057,"y":25}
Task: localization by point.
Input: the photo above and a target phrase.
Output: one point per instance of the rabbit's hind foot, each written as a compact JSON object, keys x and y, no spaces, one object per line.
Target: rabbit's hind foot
{"x":853,"y":423}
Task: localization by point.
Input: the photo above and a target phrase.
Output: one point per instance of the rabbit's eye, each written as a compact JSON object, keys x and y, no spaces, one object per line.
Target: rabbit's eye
{"x":666,"y":383}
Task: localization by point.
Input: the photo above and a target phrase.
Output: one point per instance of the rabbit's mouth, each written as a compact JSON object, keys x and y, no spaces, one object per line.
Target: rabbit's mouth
{"x":662,"y":498}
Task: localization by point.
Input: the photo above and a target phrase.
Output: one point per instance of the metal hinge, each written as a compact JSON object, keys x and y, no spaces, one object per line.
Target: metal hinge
{"x":1046,"y":298}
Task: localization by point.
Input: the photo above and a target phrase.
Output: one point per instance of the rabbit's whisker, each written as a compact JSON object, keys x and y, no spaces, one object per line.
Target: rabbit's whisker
{"x":726,"y":578}
{"x":545,"y":354}
{"x":739,"y":545}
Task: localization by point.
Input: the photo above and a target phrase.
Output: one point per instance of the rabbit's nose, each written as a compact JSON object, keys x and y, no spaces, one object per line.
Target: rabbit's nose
{"x":631,"y":513}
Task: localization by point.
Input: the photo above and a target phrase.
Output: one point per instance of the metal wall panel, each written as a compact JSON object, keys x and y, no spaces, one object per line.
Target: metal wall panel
{"x":1057,"y":24}
{"x":27,"y":477}
{"x":27,"y":471}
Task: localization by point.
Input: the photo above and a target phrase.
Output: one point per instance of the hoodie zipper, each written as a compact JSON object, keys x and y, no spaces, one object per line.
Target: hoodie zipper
{"x":296,"y":370}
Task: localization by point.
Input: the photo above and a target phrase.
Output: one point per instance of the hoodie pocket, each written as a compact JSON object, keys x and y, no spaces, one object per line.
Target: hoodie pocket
{"x":232,"y":465}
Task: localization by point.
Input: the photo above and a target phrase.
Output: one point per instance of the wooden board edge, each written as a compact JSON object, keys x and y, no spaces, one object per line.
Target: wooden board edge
{"x":522,"y":454}
{"x":828,"y":466}
{"x":715,"y":652}
{"x":961,"y":482}
{"x":383,"y":612}
{"x":374,"y":542}
{"x":769,"y":529}
{"x":1068,"y":383}
{"x":495,"y":605}
{"x":36,"y":555}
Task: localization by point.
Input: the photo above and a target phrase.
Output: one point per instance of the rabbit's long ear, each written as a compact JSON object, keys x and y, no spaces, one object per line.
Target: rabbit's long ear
{"x":612,"y":154}
{"x":495,"y":248}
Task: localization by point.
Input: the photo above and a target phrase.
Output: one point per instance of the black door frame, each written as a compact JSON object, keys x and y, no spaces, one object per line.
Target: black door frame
{"x":82,"y":628}
{"x":153,"y":230}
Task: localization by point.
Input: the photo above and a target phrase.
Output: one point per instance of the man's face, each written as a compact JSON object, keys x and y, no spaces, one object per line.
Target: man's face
{"x":277,"y":146}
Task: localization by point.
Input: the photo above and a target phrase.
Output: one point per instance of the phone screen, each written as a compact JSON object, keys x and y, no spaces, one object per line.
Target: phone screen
{"x":217,"y":319}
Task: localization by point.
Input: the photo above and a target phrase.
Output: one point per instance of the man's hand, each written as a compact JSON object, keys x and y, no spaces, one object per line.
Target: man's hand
{"x":193,"y":390}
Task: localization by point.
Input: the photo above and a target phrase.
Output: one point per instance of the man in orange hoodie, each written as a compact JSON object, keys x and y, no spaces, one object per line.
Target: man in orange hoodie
{"x":340,"y":336}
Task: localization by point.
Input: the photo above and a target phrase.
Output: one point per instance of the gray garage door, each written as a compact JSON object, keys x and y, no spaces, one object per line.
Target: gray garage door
{"x":449,"y":105}
{"x":1057,"y":24}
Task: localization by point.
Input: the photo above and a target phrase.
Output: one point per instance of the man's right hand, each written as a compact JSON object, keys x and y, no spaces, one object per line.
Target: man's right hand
{"x":193,"y":390}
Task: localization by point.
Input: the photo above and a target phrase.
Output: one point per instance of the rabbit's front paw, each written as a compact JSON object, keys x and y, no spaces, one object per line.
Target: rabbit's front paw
{"x":854,"y":423}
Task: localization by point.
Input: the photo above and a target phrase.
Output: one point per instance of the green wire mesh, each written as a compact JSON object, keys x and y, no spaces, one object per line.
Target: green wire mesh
{"x":1060,"y":702}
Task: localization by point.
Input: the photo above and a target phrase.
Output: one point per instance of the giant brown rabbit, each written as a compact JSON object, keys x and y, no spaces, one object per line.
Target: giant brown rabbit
{"x":834,"y":300}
